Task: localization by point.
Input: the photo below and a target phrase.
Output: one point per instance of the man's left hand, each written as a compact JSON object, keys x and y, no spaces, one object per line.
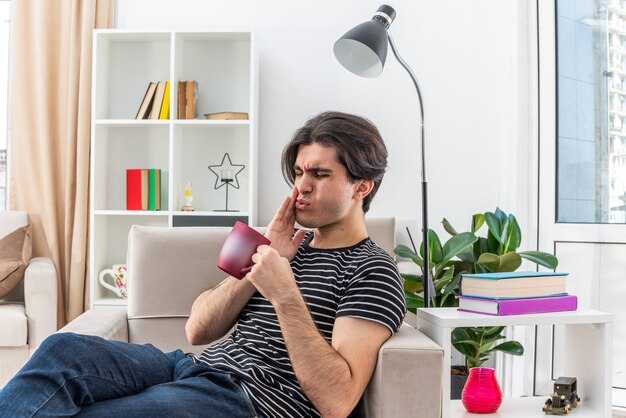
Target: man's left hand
{"x":272,"y":275}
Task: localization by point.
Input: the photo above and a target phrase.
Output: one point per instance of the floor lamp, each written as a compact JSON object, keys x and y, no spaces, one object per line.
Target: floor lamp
{"x":362,"y":51}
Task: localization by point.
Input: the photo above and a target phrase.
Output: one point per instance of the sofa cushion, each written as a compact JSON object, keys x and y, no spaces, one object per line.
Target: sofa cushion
{"x":13,"y":329}
{"x":15,"y":252}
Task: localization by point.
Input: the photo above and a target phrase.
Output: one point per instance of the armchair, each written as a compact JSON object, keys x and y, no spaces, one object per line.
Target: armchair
{"x":169,"y":267}
{"x":29,"y":313}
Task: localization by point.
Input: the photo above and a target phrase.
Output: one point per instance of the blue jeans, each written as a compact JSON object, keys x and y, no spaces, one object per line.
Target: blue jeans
{"x":73,"y":374}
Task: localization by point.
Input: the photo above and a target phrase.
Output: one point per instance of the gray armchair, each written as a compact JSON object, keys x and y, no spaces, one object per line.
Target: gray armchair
{"x":29,"y":313}
{"x":169,"y":267}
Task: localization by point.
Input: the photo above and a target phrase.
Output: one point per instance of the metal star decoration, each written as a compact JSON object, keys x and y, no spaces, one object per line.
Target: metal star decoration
{"x":226,"y":166}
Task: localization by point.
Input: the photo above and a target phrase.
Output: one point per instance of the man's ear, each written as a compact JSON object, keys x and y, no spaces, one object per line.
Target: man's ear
{"x":363,"y":188}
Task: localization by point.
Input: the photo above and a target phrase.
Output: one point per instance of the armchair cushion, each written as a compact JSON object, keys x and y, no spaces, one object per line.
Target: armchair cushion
{"x":15,"y":252}
{"x":13,"y":325}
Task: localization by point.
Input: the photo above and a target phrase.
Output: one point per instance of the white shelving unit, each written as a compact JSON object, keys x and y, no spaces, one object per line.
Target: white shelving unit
{"x":225,"y":66}
{"x":588,"y":338}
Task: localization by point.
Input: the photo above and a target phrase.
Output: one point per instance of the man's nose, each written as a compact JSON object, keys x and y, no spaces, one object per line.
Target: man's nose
{"x":304,"y":185}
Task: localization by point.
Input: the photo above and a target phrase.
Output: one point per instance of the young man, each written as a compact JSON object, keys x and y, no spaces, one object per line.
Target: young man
{"x":310,"y":316}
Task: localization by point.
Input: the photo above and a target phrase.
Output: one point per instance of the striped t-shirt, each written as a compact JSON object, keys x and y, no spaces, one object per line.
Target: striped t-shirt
{"x":359,"y":281}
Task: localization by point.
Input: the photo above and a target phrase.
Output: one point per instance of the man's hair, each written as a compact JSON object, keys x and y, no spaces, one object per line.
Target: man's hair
{"x":360,"y":148}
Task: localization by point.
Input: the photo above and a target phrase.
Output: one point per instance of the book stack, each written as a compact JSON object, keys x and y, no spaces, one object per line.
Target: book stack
{"x":515,"y":293}
{"x":143,"y":189}
{"x":188,"y":99}
{"x":156,"y":101}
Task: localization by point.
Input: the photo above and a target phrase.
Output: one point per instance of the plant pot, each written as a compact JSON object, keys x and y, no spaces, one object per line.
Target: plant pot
{"x":458,"y":377}
{"x":482,"y":393}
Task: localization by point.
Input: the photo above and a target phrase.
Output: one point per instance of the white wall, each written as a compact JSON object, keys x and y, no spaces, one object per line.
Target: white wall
{"x":470,"y":57}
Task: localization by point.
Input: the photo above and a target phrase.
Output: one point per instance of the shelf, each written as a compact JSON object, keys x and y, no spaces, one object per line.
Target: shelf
{"x":212,"y":123}
{"x":528,"y":407}
{"x":208,"y":213}
{"x":586,"y":332}
{"x":131,"y":122}
{"x":224,"y":64}
{"x":451,"y":317}
{"x":130,"y":213}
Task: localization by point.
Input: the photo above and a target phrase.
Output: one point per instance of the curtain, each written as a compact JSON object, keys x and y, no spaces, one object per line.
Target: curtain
{"x":50,"y":130}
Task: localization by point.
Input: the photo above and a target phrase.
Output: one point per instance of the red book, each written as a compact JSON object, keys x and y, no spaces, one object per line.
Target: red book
{"x":136,"y":189}
{"x":503,"y":307}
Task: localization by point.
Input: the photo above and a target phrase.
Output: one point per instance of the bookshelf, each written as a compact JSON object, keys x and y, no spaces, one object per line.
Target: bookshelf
{"x":224,"y":64}
{"x":588,"y":338}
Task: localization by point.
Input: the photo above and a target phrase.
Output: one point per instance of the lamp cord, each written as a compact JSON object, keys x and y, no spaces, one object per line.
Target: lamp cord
{"x":426,"y":284}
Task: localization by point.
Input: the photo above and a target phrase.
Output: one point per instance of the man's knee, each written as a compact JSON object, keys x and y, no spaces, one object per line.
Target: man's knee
{"x":63,"y":340}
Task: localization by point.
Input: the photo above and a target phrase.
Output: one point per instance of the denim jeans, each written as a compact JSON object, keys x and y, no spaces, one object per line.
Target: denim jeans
{"x":71,"y":374}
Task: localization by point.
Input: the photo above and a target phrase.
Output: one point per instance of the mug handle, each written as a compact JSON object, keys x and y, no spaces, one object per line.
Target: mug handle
{"x":101,"y":276}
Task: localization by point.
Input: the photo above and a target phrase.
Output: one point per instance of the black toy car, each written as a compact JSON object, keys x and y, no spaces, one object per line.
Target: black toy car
{"x":564,"y":397}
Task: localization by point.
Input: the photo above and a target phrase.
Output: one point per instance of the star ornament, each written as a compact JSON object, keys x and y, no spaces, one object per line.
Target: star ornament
{"x":222,"y":168}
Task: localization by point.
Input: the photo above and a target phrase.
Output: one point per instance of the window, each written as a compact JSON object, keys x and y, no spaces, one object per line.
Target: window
{"x":5,"y":13}
{"x":591,"y":107}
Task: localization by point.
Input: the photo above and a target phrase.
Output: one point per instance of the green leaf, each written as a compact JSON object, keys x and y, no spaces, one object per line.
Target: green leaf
{"x":464,"y":349}
{"x":489,"y":261}
{"x":411,"y":277}
{"x":444,"y":280}
{"x":501,"y":215}
{"x":449,"y":229}
{"x":459,"y":334}
{"x":493,"y":331}
{"x":467,"y":255}
{"x":451,"y":286}
{"x":469,"y":342}
{"x":413,"y":301}
{"x":479,"y":247}
{"x":478,"y":220}
{"x":510,"y":262}
{"x":434,"y":246}
{"x":456,"y":244}
{"x":541,"y":258}
{"x":404,"y":251}
{"x":509,"y":347}
{"x":413,"y":287}
{"x":511,"y":235}
{"x":515,"y":235}
{"x":496,"y":263}
{"x":494,"y":225}
{"x":493,"y":245}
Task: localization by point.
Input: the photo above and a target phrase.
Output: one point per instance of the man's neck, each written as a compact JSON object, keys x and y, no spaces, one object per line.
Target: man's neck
{"x":344,"y":233}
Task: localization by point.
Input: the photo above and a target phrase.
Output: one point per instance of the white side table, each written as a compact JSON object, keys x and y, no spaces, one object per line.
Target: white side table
{"x":588,"y":336}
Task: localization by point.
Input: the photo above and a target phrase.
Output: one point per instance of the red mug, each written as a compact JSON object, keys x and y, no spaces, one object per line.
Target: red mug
{"x":236,"y":255}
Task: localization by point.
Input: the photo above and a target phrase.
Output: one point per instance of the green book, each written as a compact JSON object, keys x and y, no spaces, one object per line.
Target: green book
{"x":154,"y":189}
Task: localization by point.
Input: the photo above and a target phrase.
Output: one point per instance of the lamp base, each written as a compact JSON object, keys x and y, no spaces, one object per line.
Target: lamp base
{"x":226,"y":210}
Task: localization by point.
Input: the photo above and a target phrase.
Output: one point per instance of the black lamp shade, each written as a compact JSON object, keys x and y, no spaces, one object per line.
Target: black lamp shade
{"x":363,"y":49}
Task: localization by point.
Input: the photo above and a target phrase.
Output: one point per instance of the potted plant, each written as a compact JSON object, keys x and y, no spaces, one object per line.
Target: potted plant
{"x":477,"y":344}
{"x":466,"y":253}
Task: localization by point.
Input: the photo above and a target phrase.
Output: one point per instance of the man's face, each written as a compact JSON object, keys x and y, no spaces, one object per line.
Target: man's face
{"x":326,"y":195}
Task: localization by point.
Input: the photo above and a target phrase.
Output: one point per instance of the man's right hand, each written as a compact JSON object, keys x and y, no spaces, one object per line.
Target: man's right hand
{"x":280,"y":229}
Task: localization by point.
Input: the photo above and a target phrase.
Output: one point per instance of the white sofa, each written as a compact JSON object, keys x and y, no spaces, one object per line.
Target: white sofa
{"x":169,"y":267}
{"x":29,"y":313}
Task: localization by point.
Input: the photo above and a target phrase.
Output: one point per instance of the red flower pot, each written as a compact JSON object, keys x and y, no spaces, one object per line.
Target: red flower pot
{"x":481,"y":393}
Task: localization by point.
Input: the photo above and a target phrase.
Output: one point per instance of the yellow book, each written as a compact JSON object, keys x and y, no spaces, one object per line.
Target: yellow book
{"x":165,"y":106}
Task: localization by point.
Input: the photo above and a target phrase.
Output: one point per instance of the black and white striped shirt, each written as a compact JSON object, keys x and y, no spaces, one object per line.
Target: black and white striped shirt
{"x":359,"y":281}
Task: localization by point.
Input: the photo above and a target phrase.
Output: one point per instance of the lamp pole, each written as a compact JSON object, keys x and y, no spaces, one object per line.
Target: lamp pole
{"x":363,"y":51}
{"x":426,"y":282}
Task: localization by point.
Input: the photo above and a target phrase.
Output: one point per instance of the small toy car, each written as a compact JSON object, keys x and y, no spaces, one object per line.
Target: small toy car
{"x":564,"y":397}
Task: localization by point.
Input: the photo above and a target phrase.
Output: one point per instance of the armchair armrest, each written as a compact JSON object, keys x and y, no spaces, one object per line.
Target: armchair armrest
{"x":108,"y":323}
{"x":408,"y":378}
{"x":40,"y":300}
